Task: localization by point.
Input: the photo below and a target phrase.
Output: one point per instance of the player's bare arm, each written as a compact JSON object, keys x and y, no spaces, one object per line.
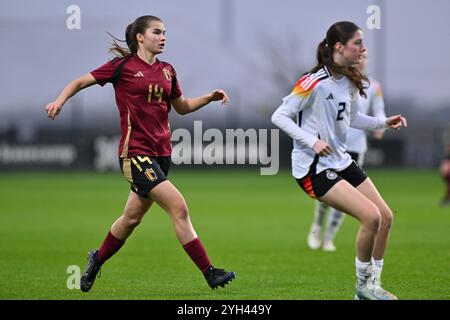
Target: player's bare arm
{"x":54,"y":108}
{"x":183,"y":105}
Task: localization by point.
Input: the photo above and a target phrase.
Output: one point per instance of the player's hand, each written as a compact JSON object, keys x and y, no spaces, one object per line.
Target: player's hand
{"x":397,"y":121}
{"x":322,"y":148}
{"x":217,"y":95}
{"x":53,"y":110}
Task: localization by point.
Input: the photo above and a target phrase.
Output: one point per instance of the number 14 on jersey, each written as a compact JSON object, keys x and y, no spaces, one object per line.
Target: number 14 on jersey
{"x":157,"y":92}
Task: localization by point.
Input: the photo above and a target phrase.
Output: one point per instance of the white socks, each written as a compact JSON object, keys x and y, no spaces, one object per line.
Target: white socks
{"x":334,"y":223}
{"x":378,"y":267}
{"x":362,"y":271}
{"x":319,"y":213}
{"x":378,"y":263}
{"x":366,"y":269}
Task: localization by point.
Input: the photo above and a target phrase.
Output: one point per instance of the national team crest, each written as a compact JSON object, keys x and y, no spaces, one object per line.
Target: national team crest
{"x":167,"y":74}
{"x":150,"y":174}
{"x":331,"y":175}
{"x":352,"y":94}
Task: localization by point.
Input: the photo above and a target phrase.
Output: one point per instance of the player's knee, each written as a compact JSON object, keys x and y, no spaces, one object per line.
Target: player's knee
{"x":387,"y":218}
{"x":180,"y":210}
{"x":132,"y":222}
{"x":373,"y":218}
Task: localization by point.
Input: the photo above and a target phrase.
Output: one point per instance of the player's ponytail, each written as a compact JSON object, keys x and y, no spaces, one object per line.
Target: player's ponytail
{"x":339,"y":32}
{"x":138,"y":26}
{"x":324,"y":53}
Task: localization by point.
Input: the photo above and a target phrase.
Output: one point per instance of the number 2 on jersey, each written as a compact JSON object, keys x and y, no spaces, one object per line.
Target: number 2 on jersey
{"x":158,"y":93}
{"x":339,"y":116}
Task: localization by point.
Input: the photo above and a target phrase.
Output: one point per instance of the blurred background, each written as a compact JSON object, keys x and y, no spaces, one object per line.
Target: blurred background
{"x":256,"y":50}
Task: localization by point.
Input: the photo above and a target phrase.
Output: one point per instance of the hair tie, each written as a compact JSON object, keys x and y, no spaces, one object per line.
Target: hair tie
{"x":326,"y":42}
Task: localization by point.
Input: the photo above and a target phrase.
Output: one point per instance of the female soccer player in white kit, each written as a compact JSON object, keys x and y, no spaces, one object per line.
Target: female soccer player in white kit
{"x":324,"y":102}
{"x":357,"y":148}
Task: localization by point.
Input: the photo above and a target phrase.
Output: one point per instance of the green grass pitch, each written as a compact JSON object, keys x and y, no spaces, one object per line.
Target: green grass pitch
{"x":251,"y":224}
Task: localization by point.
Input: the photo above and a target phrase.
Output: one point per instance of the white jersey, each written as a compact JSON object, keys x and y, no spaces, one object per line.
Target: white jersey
{"x":373,"y":104}
{"x":324,"y":108}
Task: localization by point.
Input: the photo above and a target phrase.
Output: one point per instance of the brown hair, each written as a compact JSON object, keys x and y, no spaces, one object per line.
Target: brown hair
{"x":339,"y":32}
{"x":138,"y":26}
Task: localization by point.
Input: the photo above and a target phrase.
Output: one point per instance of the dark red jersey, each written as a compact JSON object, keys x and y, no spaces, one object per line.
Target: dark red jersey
{"x":143,"y":94}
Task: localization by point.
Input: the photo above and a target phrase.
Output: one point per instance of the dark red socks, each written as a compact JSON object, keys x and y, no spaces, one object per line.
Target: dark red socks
{"x":198,"y":254}
{"x":194,"y":249}
{"x":109,"y":247}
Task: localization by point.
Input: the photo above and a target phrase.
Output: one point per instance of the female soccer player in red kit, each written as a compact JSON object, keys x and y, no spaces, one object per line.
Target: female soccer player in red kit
{"x":145,"y":88}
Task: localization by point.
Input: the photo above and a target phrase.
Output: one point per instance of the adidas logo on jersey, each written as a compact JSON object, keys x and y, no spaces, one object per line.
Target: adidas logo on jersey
{"x":330,"y":97}
{"x":139,"y":74}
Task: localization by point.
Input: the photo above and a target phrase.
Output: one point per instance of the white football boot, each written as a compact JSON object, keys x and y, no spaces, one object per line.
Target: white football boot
{"x":328,"y":246}
{"x":315,"y":237}
{"x":372,"y":290}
